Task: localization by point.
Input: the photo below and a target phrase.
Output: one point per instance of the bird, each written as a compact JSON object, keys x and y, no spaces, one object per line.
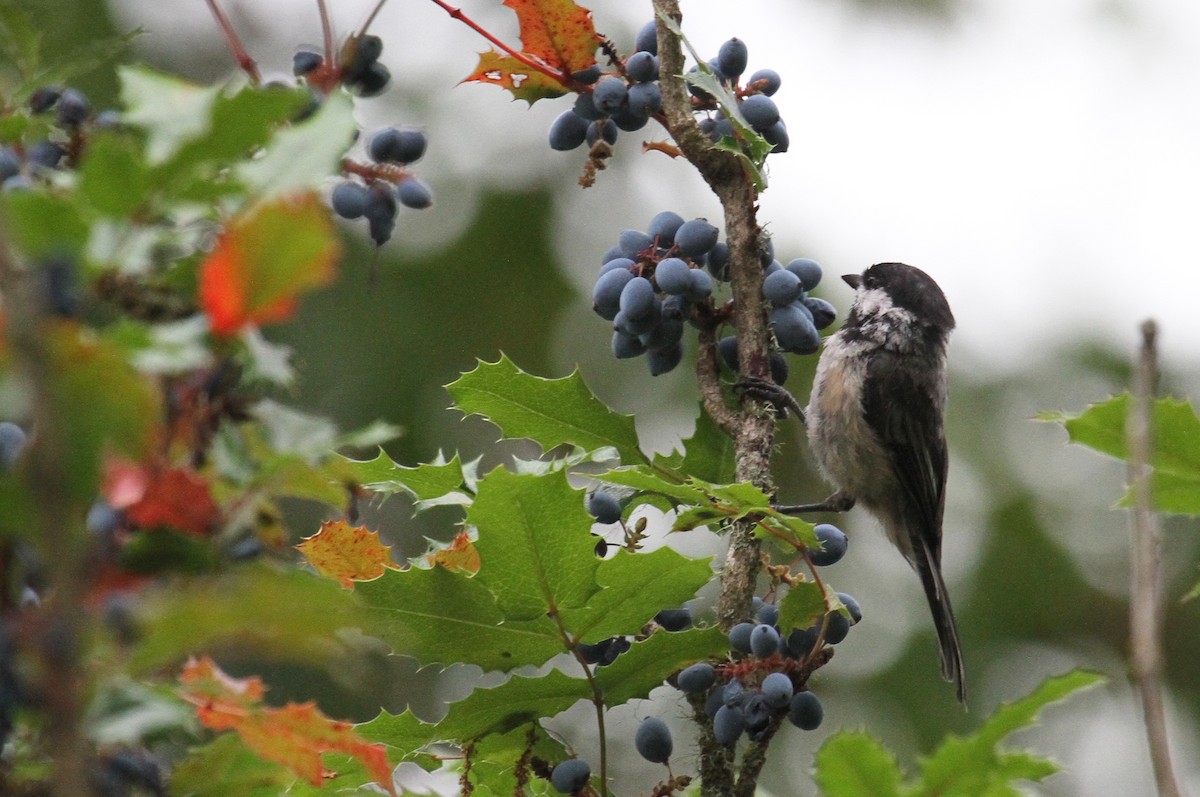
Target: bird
{"x":875,"y":425}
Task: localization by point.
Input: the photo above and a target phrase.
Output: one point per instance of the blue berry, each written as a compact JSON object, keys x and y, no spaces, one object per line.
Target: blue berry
{"x":349,"y":199}
{"x":728,"y":724}
{"x":570,"y":776}
{"x":696,"y":237}
{"x":609,"y":94}
{"x":604,"y":507}
{"x":809,"y":272}
{"x":674,"y":619}
{"x":606,"y":296}
{"x":806,"y":711}
{"x":766,"y":81}
{"x":697,"y":678}
{"x":764,"y":641}
{"x":739,"y":637}
{"x":414,"y":192}
{"x":852,"y":606}
{"x":823,"y":312}
{"x":674,"y":276}
{"x":12,"y":443}
{"x":665,"y":359}
{"x":305,"y":61}
{"x":732,"y":58}
{"x":642,"y":67}
{"x":777,"y":690}
{"x":760,"y":111}
{"x":647,"y":39}
{"x":781,"y":287}
{"x":570,"y":130}
{"x":653,"y":740}
{"x":834,"y":543}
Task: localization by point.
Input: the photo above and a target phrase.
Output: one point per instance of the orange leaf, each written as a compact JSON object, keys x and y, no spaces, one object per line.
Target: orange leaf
{"x":458,"y":555}
{"x":347,"y":553}
{"x":294,"y":735}
{"x":509,"y":73}
{"x":264,"y":259}
{"x":560,"y":33}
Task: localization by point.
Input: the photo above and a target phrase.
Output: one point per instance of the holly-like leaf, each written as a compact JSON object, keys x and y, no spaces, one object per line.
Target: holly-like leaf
{"x":264,"y":259}
{"x":648,"y":663}
{"x":634,"y":588}
{"x":976,"y":764}
{"x":460,"y":555}
{"x":549,"y":412}
{"x":802,"y":606}
{"x":170,"y":110}
{"x":518,"y":78}
{"x":1176,"y":446}
{"x":534,"y":543}
{"x":707,"y":454}
{"x":346,"y":553}
{"x":440,"y":617}
{"x":647,"y":480}
{"x":424,"y":482}
{"x":301,"y":156}
{"x":557,"y":34}
{"x":255,"y":605}
{"x":518,"y":701}
{"x":97,"y":405}
{"x":295,"y":735}
{"x":854,"y":764}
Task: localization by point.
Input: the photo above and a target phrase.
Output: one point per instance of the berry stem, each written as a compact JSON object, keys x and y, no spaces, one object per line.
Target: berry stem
{"x":457,"y":13}
{"x":331,"y":55}
{"x":362,"y":31}
{"x":244,"y":61}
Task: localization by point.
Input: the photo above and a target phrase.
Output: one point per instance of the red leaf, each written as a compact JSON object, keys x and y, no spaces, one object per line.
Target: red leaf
{"x":264,"y":259}
{"x":555,"y":34}
{"x":174,"y":497}
{"x":295,"y":735}
{"x":559,"y":33}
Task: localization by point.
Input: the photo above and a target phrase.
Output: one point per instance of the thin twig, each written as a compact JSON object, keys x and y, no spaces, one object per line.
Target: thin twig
{"x":371,"y":17}
{"x":244,"y":61}
{"x":331,"y":55}
{"x":457,"y":13}
{"x":1145,"y":606}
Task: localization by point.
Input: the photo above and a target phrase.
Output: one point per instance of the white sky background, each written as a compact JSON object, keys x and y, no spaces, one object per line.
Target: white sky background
{"x":1040,"y":158}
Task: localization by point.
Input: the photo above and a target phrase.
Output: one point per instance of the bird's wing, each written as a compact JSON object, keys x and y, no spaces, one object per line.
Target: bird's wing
{"x":903,"y":405}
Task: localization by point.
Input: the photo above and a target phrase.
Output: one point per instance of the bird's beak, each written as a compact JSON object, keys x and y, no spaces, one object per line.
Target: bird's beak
{"x":853,"y":280}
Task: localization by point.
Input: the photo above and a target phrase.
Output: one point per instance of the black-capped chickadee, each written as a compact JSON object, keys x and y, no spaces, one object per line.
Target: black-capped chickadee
{"x":875,"y":425}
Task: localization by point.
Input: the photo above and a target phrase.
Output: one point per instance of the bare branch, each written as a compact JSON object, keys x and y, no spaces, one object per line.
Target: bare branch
{"x":1145,"y":606}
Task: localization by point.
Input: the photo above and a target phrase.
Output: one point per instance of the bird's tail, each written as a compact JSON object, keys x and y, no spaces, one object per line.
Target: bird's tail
{"x":927,"y":564}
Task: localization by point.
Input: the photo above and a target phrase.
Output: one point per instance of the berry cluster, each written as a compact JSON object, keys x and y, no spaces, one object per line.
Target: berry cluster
{"x":384,"y":184}
{"x":357,"y":67}
{"x":753,"y":98}
{"x":651,"y":283}
{"x":627,"y":98}
{"x":749,"y":694}
{"x":72,"y":116}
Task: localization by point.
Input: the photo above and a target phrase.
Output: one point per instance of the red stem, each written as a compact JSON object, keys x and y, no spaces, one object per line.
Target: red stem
{"x":244,"y":61}
{"x":457,"y":13}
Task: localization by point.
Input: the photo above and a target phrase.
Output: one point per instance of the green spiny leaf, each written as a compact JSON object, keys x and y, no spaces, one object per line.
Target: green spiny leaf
{"x":550,"y":412}
{"x":853,"y":764}
{"x":634,"y":587}
{"x":963,"y":766}
{"x":424,"y":482}
{"x":648,"y":663}
{"x":802,"y":606}
{"x":535,"y":549}
{"x":437,"y":616}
